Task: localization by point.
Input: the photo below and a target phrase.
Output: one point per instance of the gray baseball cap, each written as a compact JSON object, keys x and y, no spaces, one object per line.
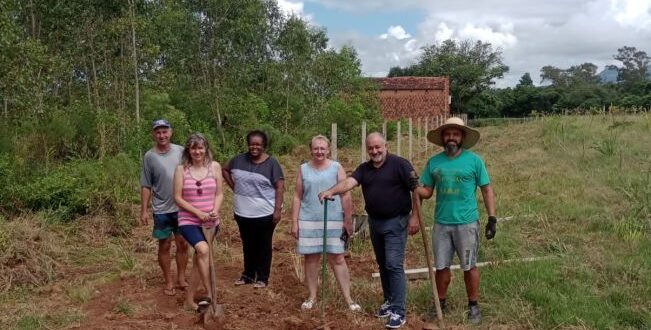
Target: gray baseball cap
{"x":160,"y":123}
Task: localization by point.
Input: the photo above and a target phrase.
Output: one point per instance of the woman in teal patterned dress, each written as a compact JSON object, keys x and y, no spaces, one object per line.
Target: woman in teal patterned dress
{"x":319,"y":174}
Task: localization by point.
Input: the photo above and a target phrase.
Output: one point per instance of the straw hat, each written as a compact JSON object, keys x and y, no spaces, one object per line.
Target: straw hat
{"x":471,"y":136}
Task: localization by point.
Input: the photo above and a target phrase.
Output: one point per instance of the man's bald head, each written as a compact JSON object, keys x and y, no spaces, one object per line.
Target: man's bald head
{"x":376,"y":137}
{"x":376,"y":147}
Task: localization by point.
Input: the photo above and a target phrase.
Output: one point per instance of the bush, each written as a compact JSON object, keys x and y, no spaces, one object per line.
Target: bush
{"x":79,"y":188}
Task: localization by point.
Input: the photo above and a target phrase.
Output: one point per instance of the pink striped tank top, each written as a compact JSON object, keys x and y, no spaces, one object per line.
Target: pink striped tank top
{"x":200,"y":194}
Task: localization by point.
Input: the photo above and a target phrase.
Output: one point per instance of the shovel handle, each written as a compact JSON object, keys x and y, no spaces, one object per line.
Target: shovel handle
{"x":323,"y":256}
{"x":208,"y":234}
{"x":435,"y":293}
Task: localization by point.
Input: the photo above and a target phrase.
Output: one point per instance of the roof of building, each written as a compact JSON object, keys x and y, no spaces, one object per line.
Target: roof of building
{"x":411,"y":83}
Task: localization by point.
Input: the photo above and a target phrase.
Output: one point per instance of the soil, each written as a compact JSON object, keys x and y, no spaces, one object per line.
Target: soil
{"x":275,"y":307}
{"x":137,"y":301}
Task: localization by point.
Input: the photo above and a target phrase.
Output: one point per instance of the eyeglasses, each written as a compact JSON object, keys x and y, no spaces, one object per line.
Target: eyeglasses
{"x":199,"y":190}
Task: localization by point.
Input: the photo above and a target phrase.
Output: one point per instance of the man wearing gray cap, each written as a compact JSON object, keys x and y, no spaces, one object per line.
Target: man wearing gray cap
{"x":156,"y":183}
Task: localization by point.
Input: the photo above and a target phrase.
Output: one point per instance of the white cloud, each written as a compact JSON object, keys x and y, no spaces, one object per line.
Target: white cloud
{"x":296,"y":8}
{"x":443,"y":32}
{"x":411,"y":45}
{"x":289,"y":7}
{"x":397,"y":32}
{"x":632,"y":13}
{"x":487,"y":34}
{"x":530,"y":34}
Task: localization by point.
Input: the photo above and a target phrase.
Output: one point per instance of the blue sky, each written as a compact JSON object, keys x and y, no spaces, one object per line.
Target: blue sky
{"x":370,"y":23}
{"x":529,"y":33}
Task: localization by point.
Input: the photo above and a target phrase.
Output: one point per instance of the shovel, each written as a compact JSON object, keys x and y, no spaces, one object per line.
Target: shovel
{"x":324,"y":325}
{"x":214,"y":314}
{"x":435,"y":294}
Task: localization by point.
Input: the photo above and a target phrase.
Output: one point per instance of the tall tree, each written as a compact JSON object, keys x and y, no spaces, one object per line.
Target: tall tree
{"x":471,"y":66}
{"x":635,"y":64}
{"x":525,"y":80}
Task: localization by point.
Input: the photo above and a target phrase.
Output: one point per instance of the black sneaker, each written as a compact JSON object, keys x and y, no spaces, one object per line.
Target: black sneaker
{"x":474,"y":314}
{"x":384,"y":310}
{"x":395,"y":321}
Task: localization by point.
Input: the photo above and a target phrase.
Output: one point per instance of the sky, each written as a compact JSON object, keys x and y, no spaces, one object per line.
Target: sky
{"x":530,"y":34}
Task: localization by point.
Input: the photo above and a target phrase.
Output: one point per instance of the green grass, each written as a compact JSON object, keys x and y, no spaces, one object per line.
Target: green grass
{"x":578,"y":189}
{"x":123,"y":307}
{"x":50,"y":321}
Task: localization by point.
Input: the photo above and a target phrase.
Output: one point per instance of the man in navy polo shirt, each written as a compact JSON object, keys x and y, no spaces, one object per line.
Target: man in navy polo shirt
{"x":387,"y":183}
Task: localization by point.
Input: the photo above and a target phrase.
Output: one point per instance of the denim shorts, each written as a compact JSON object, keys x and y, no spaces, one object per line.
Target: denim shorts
{"x":462,"y":239}
{"x":165,"y":225}
{"x":193,"y":234}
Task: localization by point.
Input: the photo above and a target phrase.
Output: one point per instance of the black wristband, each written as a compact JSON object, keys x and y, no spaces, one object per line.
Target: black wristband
{"x":492,"y":218}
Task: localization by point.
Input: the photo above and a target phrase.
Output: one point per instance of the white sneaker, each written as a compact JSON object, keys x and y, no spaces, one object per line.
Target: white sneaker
{"x":307,"y":305}
{"x":355,"y":307}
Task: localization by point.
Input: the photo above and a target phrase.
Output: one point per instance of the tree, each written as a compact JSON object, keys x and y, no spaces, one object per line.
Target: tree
{"x":525,"y":80}
{"x":635,"y":63}
{"x":471,"y":66}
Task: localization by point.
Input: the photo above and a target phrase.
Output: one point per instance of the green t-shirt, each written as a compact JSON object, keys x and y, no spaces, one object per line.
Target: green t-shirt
{"x":455,"y":181}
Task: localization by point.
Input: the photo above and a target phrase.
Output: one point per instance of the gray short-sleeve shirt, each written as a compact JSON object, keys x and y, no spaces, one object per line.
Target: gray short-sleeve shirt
{"x":254,"y":194}
{"x":158,"y":175}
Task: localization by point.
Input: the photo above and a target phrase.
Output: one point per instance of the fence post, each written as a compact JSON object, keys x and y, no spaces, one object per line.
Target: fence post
{"x":384,"y":129}
{"x":363,"y":148}
{"x":426,"y":131}
{"x":419,"y":129}
{"x":333,"y":141}
{"x":398,"y":137}
{"x":411,"y":154}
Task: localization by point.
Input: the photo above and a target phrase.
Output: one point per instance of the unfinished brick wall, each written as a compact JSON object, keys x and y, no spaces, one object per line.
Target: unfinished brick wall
{"x":413,"y":97}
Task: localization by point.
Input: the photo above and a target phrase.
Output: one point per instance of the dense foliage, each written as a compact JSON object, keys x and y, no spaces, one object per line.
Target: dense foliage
{"x":473,"y":67}
{"x":82,"y":80}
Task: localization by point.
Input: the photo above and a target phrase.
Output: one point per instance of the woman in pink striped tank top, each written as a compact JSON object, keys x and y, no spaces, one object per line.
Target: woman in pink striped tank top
{"x":198,"y":193}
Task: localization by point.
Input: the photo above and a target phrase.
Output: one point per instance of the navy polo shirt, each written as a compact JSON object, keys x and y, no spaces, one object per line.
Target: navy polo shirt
{"x":386,"y":189}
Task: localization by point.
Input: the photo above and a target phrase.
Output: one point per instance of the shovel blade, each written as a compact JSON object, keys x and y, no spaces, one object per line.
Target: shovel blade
{"x":213,"y":317}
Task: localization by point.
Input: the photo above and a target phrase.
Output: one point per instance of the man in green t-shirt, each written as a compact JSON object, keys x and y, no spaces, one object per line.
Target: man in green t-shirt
{"x":455,"y":173}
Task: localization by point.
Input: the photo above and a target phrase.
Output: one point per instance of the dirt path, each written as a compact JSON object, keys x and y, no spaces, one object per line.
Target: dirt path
{"x":138,"y":302}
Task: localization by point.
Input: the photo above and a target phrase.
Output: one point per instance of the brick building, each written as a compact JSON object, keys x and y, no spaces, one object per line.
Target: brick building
{"x":415,"y":97}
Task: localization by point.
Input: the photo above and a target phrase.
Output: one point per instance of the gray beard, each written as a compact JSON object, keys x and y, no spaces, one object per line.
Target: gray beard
{"x":451,"y":148}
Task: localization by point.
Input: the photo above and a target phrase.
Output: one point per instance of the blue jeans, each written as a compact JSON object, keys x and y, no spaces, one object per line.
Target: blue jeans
{"x":389,"y":237}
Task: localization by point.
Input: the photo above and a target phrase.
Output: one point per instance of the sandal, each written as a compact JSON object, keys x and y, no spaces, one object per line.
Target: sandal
{"x":169,"y":292}
{"x":354,"y":307}
{"x":307,"y":305}
{"x":203,"y":304}
{"x":191,"y":308}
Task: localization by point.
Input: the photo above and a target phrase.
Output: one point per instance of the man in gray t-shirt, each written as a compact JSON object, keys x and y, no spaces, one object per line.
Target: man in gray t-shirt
{"x":156,"y":186}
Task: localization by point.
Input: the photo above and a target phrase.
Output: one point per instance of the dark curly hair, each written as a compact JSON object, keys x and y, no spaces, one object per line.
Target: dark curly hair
{"x":259,"y":133}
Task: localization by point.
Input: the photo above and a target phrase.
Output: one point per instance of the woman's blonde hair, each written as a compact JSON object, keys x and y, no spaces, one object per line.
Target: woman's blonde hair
{"x":319,"y":137}
{"x":193,"y":140}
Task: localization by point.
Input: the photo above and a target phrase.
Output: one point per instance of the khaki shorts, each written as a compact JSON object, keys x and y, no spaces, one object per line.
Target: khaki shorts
{"x":462,"y":239}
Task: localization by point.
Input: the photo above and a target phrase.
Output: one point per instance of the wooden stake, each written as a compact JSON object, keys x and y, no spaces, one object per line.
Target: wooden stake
{"x":411,"y":155}
{"x":333,"y":142}
{"x":363,"y":148}
{"x":398,"y":138}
